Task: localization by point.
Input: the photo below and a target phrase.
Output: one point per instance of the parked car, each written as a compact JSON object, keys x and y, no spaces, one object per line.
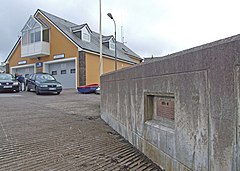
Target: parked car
{"x":8,"y":83}
{"x":43,"y":83}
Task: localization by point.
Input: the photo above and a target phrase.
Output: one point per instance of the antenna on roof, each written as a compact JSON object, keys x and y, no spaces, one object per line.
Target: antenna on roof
{"x":122,"y":35}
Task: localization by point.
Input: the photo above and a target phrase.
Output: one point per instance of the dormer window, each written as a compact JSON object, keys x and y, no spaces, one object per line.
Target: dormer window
{"x":109,"y":41}
{"x":111,"y":45}
{"x":82,"y":31}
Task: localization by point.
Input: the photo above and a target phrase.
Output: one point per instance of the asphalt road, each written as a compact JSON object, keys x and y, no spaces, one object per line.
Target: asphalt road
{"x":61,"y":132}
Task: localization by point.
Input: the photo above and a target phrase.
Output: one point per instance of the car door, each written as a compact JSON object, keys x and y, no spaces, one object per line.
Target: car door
{"x":32,"y":82}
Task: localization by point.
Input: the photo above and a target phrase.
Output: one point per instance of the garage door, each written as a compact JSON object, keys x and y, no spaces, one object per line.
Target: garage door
{"x":64,"y":72}
{"x":24,"y":71}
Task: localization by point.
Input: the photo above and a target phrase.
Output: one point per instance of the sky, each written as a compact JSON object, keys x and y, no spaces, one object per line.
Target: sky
{"x":149,"y":27}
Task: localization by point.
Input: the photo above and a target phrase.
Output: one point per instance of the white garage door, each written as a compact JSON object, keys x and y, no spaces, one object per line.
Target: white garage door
{"x":64,"y":72}
{"x":24,"y":71}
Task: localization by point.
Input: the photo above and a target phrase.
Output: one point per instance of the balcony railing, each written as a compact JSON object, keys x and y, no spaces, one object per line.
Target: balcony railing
{"x":36,"y":49}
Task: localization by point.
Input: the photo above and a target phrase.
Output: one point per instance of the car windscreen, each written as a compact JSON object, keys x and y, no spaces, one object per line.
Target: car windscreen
{"x":6,"y":77}
{"x":44,"y":77}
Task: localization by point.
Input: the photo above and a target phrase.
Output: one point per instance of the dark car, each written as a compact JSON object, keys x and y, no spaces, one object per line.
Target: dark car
{"x":43,"y":83}
{"x":8,"y":83}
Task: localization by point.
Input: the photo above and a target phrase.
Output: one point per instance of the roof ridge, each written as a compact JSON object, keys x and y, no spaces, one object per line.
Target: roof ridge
{"x":56,"y":16}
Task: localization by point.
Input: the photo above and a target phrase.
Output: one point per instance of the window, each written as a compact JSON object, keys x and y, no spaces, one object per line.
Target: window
{"x":86,"y":37}
{"x":63,"y":71}
{"x":46,"y":35}
{"x":33,"y":30}
{"x":33,"y":77}
{"x":159,"y":108}
{"x":54,"y":72}
{"x":72,"y":71}
{"x":44,"y":77}
{"x":112,"y":46}
{"x":31,"y":36}
{"x":34,"y":36}
{"x":24,"y":38}
{"x":37,"y":35}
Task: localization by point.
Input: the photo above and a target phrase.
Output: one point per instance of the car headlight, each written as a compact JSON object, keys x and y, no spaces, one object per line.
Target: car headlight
{"x":15,"y":83}
{"x":59,"y":85}
{"x":0,"y":84}
{"x":43,"y":85}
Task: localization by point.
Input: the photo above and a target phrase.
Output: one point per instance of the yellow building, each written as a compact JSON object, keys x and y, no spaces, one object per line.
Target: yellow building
{"x":66,"y":50}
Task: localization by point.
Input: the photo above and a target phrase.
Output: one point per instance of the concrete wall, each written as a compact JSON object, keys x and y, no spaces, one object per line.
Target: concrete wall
{"x":204,"y":81}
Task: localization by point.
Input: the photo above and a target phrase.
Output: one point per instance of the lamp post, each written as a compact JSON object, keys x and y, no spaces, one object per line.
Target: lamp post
{"x":100,"y":31}
{"x":110,"y":16}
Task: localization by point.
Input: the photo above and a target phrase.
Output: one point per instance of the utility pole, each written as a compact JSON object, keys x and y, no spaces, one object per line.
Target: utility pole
{"x":100,"y":31}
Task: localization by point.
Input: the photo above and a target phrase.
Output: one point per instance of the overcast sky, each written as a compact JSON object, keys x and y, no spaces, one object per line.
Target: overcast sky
{"x":151,"y":27}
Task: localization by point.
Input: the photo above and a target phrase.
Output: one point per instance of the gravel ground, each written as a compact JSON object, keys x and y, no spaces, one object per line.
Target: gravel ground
{"x":61,"y":132}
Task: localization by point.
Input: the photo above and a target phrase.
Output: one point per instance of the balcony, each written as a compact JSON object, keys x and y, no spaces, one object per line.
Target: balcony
{"x":35,"y":38}
{"x":36,"y":49}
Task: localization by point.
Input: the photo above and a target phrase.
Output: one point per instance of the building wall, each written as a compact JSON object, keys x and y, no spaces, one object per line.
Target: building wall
{"x":93,"y":67}
{"x":60,"y":44}
{"x":204,"y":84}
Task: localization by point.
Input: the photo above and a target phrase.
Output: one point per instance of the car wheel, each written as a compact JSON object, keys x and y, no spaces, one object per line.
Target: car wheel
{"x":58,"y":93}
{"x":37,"y":91}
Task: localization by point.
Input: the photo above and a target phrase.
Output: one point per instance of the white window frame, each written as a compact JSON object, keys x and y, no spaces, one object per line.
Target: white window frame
{"x":111,"y":44}
{"x":85,"y":32}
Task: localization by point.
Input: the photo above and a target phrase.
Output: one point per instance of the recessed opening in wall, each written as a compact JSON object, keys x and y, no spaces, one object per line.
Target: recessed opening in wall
{"x":159,"y":109}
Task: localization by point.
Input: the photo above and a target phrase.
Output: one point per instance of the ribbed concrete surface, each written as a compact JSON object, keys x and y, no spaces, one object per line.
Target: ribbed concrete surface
{"x":64,"y":132}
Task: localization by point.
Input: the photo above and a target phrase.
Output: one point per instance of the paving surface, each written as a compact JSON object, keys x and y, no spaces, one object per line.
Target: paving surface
{"x":61,"y":132}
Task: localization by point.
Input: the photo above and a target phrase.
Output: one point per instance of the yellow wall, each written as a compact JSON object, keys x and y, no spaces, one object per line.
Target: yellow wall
{"x":93,"y":67}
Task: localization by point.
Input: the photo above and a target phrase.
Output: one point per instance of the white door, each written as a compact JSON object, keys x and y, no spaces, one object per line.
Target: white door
{"x":64,"y":72}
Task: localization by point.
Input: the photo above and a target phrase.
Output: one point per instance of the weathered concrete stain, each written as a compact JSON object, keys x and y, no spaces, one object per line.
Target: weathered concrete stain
{"x":205,"y":84}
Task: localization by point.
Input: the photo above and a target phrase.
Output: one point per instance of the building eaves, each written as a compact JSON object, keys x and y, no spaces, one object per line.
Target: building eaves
{"x":13,"y":49}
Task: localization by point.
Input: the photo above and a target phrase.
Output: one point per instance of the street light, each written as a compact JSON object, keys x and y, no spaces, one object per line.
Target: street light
{"x":110,"y":16}
{"x":100,"y":31}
